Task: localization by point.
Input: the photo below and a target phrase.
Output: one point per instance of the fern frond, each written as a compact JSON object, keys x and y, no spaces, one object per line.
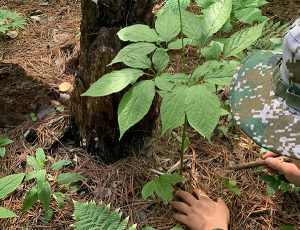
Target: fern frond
{"x":11,"y":20}
{"x":90,"y":216}
{"x":271,"y":30}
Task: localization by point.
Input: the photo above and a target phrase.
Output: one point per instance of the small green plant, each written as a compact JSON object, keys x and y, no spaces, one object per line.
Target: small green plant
{"x":150,"y":228}
{"x":9,"y":184}
{"x":42,"y":189}
{"x":33,"y":117}
{"x":287,"y":227}
{"x":92,"y":216}
{"x":162,"y":186}
{"x":4,"y":141}
{"x":231,"y":185}
{"x":10,"y":20}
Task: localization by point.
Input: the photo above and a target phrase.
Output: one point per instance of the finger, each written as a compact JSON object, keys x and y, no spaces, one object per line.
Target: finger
{"x":199,"y":193}
{"x":186,"y":197}
{"x":269,"y":154}
{"x":181,"y":207}
{"x":181,"y":218}
{"x":278,"y":164}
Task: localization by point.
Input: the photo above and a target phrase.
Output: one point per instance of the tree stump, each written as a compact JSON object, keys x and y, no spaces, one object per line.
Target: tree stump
{"x":94,"y":120}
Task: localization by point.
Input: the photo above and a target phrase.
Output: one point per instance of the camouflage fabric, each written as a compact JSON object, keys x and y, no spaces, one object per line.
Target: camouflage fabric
{"x":271,"y":120}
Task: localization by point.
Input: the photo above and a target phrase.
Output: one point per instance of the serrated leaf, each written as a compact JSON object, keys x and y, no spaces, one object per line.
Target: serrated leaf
{"x":68,"y":178}
{"x":44,"y":194}
{"x":135,"y":104}
{"x":33,"y":162}
{"x":192,"y":26}
{"x":138,"y":33}
{"x":136,"y":60}
{"x":10,"y":183}
{"x":205,"y":3}
{"x":215,"y":16}
{"x":249,"y":15}
{"x":30,"y":199}
{"x":172,"y":109}
{"x":213,"y":51}
{"x":40,"y":174}
{"x":59,"y":164}
{"x":58,"y":196}
{"x":142,"y":48}
{"x":40,"y":156}
{"x":113,"y":82}
{"x":148,"y":189}
{"x":48,"y":215}
{"x":5,"y":141}
{"x":203,"y":110}
{"x":167,"y":26}
{"x":242,"y":39}
{"x":227,"y":27}
{"x":164,"y":83}
{"x":160,"y":60}
{"x":6,"y":213}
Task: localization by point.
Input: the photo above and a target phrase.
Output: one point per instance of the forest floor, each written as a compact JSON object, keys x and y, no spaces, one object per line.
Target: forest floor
{"x":48,"y":50}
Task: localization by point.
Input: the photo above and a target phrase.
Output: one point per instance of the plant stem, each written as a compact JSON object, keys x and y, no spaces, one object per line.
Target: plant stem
{"x":182,"y":144}
{"x":181,"y":25}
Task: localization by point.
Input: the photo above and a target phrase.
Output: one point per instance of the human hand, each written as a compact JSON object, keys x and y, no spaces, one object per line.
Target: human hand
{"x":199,"y":212}
{"x":288,"y":169}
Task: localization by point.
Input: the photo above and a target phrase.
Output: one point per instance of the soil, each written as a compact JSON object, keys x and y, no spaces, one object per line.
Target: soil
{"x":48,"y":50}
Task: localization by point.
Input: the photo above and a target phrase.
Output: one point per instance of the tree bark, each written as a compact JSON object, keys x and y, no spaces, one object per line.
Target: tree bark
{"x":95,"y":119}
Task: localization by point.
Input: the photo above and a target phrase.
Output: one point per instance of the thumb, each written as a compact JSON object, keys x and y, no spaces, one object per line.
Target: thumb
{"x":277,"y":164}
{"x":221,"y":202}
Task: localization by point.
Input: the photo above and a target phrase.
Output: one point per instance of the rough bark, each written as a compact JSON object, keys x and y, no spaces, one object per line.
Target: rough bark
{"x":95,"y":119}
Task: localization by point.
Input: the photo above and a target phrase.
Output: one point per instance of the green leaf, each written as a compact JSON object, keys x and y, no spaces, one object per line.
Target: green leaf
{"x":287,"y":227}
{"x":213,"y":51}
{"x":138,"y":33}
{"x":113,"y":82}
{"x":164,"y":190}
{"x":40,"y":156}
{"x":205,"y":3}
{"x":30,"y":199}
{"x":164,"y":83}
{"x":59,"y":164}
{"x":172,"y":5}
{"x":33,"y":117}
{"x":242,"y":40}
{"x":224,"y":112}
{"x":160,"y":60}
{"x":48,"y":215}
{"x":148,"y":228}
{"x":44,"y":194}
{"x":68,"y":178}
{"x":215,"y":16}
{"x":6,"y":213}
{"x":5,"y":141}
{"x":205,"y":68}
{"x":58,"y":196}
{"x":142,"y":48}
{"x":41,"y":174}
{"x":255,"y":3}
{"x":232,"y":183}
{"x":167,"y":26}
{"x":171,"y":178}
{"x":172,"y":109}
{"x":33,"y":162}
{"x":235,"y":190}
{"x":2,"y":151}
{"x":176,"y":228}
{"x":192,"y":26}
{"x":203,"y":110}
{"x":249,"y":15}
{"x":227,"y":27}
{"x":136,"y":60}
{"x":177,"y":44}
{"x":186,"y":143}
{"x":135,"y":104}
{"x":148,"y":189}
{"x":10,"y":183}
